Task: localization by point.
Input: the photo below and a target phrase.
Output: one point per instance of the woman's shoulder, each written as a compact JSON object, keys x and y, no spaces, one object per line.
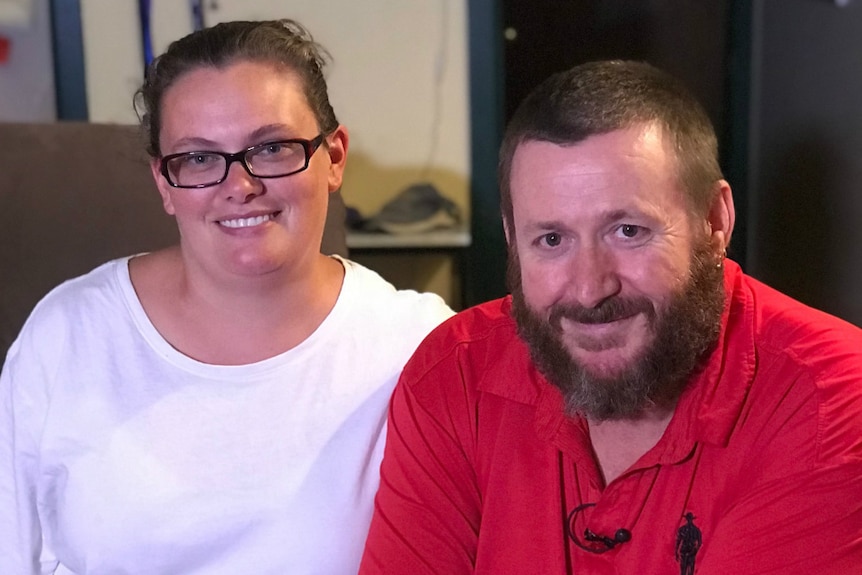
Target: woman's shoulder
{"x":61,"y":315}
{"x":77,"y":294}
{"x":370,"y":292}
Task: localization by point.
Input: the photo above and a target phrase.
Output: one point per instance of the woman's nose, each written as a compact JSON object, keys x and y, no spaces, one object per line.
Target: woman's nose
{"x":239,"y":185}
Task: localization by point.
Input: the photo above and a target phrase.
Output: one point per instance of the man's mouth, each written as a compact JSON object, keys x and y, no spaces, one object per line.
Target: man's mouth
{"x":609,"y":312}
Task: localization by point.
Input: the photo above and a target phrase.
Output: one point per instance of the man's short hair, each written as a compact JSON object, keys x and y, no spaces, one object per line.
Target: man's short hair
{"x":605,"y":96}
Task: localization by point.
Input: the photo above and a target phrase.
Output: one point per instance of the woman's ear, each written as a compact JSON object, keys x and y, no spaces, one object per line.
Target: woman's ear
{"x":162,"y":185}
{"x":337,"y":143}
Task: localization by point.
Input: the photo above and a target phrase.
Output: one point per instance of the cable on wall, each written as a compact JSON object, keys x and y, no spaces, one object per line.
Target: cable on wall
{"x":441,"y":62}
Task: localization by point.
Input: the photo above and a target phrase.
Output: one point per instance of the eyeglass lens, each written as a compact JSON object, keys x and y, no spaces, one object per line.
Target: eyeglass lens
{"x":273,"y":159}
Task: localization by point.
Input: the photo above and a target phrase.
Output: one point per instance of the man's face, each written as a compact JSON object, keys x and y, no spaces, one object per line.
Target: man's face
{"x":615,"y":286}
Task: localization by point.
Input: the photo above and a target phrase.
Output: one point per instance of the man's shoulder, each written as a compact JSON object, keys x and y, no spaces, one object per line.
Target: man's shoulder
{"x":809,"y":366}
{"x":814,"y":339}
{"x":478,"y":351}
{"x":476,"y":328}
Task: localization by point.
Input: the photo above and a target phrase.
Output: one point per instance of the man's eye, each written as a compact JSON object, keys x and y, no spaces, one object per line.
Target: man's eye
{"x":552,"y":239}
{"x":629,"y":230}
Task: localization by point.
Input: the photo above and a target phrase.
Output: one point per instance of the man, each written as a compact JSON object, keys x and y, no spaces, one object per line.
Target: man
{"x":638,"y":405}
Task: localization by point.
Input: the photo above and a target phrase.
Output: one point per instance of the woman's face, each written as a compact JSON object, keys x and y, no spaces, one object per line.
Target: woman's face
{"x":245,"y":225}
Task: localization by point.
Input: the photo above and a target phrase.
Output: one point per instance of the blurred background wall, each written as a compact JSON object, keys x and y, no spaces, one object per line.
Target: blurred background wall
{"x":432,"y":83}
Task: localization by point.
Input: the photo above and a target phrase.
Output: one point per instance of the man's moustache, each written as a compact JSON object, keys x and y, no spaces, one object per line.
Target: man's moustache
{"x":609,"y":310}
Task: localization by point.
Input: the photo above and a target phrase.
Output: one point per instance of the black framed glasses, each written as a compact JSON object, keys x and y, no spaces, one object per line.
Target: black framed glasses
{"x":275,"y":159}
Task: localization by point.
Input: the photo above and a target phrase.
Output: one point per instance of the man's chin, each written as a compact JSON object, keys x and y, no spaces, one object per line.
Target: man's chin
{"x":603,"y":363}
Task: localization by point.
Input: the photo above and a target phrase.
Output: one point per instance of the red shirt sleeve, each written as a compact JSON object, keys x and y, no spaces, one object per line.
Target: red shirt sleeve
{"x":427,"y":510}
{"x":807,"y":523}
{"x":801,"y":510}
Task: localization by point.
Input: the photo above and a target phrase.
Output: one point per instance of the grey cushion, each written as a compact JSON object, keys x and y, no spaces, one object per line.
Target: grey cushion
{"x":74,"y":195}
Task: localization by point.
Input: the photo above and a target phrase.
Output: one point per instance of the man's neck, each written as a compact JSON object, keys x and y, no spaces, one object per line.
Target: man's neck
{"x":618,"y":444}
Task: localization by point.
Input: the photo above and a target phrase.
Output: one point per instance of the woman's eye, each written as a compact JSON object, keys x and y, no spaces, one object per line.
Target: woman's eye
{"x":196,"y":160}
{"x":552,"y":239}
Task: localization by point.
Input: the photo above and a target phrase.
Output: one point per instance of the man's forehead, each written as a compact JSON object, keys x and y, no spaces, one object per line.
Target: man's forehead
{"x":647,"y":131}
{"x":603,"y":159}
{"x":625,"y":175}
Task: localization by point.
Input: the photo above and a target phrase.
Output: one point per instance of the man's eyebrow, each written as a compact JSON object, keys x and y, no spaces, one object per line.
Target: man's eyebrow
{"x":618,"y":214}
{"x":608,"y":217}
{"x":546,"y":225}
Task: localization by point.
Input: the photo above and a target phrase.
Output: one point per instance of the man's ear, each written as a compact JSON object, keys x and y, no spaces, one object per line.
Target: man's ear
{"x":721,"y":216}
{"x":337,"y":143}
{"x":162,"y":185}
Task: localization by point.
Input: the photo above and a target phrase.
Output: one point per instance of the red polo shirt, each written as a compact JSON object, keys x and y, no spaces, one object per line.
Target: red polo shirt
{"x":759,"y":471}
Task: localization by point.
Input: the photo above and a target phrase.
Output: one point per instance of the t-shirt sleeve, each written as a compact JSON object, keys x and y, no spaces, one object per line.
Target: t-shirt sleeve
{"x":427,"y":510}
{"x":20,"y":535}
{"x":26,"y":378}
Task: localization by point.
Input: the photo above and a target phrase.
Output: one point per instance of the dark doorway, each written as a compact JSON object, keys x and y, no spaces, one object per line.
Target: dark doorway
{"x":687,"y":38}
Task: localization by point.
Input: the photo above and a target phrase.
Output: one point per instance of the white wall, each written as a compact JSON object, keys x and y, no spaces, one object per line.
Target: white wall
{"x":398,"y":80}
{"x":27,"y":91}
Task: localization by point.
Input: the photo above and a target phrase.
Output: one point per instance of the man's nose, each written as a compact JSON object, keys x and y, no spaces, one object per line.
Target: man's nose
{"x":593,"y":275}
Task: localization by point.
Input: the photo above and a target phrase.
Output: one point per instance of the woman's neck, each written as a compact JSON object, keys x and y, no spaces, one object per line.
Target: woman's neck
{"x":238,"y":320}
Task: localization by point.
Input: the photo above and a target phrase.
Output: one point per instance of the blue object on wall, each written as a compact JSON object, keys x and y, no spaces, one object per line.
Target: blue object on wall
{"x":69,"y":78}
{"x":197,"y":14}
{"x":146,"y":36}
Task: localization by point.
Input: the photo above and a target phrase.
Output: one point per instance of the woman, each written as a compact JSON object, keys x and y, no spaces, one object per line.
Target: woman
{"x":217,"y":407}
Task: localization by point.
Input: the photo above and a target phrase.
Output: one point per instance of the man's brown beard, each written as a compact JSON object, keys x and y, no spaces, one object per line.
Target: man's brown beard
{"x":684,"y":333}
